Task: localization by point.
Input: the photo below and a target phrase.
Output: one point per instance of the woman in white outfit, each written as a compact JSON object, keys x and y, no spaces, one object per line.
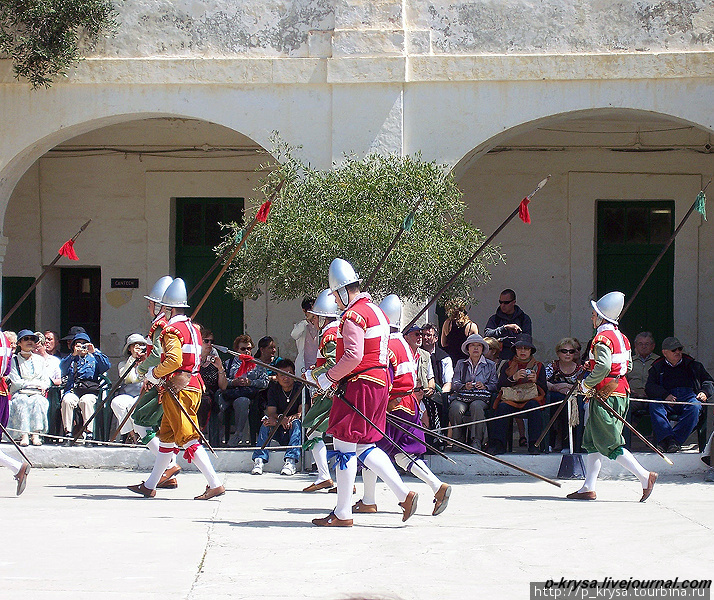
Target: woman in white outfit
{"x":134,"y":350}
{"x":29,"y":382}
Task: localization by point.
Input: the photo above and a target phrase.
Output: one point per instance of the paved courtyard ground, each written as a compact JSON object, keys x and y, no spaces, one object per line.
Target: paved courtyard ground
{"x":78,"y":533}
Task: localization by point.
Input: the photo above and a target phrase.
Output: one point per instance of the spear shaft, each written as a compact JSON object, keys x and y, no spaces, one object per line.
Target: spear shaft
{"x":39,"y":278}
{"x":480,"y":249}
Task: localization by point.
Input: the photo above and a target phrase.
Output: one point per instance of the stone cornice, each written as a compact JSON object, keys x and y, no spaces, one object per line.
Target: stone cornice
{"x":384,"y":69}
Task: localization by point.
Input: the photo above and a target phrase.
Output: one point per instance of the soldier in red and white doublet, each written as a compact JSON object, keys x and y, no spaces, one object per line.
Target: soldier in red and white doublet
{"x":610,"y":358}
{"x":403,"y":403}
{"x":180,"y":354}
{"x":361,"y":356}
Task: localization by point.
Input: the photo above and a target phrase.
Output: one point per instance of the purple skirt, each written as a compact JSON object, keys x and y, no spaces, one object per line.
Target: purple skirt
{"x":413,"y":444}
{"x":4,"y":410}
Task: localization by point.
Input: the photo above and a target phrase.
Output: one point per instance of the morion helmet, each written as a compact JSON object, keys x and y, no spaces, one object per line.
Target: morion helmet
{"x":392,"y":307}
{"x":175,"y":295}
{"x":609,"y":306}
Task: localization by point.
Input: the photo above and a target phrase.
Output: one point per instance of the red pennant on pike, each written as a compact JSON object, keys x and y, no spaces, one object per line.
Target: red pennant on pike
{"x":523,"y":213}
{"x":263,"y":211}
{"x":67,"y":250}
{"x":247,"y":363}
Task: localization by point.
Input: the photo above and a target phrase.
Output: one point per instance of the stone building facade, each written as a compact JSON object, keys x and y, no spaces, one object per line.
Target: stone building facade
{"x":612,"y":98}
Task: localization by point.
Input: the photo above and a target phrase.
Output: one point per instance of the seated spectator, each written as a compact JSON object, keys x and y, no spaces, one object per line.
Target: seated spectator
{"x":83,"y":369}
{"x":676,"y":377}
{"x":242,"y":392}
{"x":507,"y":323}
{"x":473,"y":383}
{"x":561,"y":375}
{"x":642,"y":360}
{"x":522,"y":385}
{"x":11,"y":337}
{"x":128,"y":392}
{"x":28,"y":385}
{"x":214,"y":378}
{"x":436,"y":399}
{"x":456,"y":328}
{"x":52,"y":343}
{"x":69,"y":339}
{"x":288,"y":434}
{"x":424,"y":372}
{"x":52,"y":363}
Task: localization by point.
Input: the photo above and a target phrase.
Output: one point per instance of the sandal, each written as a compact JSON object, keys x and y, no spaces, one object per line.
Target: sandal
{"x":522,"y":441}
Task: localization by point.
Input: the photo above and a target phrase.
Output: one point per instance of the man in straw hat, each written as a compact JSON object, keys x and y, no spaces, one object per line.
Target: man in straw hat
{"x":609,"y":361}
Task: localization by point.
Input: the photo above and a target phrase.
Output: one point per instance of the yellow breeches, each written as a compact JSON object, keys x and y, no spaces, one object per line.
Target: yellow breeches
{"x":175,"y":427}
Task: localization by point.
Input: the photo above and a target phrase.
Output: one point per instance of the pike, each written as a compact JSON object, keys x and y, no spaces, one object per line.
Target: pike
{"x":480,"y":249}
{"x":338,"y":393}
{"x":392,"y":418}
{"x":106,"y":399}
{"x":405,"y":226}
{"x":638,"y":289}
{"x":236,"y":248}
{"x":46,"y":270}
{"x":125,"y":419}
{"x":14,"y":443}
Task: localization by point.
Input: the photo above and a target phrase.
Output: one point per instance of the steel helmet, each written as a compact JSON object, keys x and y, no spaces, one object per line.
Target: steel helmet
{"x":175,"y":295}
{"x":609,"y":306}
{"x":325,"y":305}
{"x":157,"y":292}
{"x":340,"y":275}
{"x":392,"y":307}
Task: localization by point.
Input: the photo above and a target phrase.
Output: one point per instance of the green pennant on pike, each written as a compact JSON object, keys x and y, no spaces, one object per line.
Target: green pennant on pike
{"x":700,"y":204}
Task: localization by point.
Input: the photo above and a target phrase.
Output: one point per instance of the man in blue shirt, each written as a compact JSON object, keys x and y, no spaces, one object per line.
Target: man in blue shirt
{"x":82,"y":369}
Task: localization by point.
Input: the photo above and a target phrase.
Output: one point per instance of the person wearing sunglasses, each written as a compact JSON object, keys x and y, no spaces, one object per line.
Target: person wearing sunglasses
{"x":507,"y":323}
{"x":684,"y":382}
{"x":561,"y":374}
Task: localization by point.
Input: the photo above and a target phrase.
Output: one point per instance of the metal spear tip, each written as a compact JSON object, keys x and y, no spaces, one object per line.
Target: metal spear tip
{"x":220,"y":348}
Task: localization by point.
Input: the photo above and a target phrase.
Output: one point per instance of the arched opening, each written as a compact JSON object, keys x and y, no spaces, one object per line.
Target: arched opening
{"x":156,"y":190}
{"x":621,"y":182}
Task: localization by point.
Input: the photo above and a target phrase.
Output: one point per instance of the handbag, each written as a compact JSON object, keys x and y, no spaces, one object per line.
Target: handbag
{"x":86,"y":386}
{"x":520,"y":393}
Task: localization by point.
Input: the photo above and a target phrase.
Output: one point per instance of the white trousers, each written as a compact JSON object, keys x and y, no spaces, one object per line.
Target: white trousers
{"x":70,"y":401}
{"x":120,"y":407}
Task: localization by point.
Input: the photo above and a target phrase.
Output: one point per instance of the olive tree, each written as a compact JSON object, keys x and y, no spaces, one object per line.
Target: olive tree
{"x":354,"y":211}
{"x":43,"y":37}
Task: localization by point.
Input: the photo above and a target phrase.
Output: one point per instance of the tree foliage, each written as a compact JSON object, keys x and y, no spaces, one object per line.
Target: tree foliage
{"x":354,"y":211}
{"x":42,"y":37}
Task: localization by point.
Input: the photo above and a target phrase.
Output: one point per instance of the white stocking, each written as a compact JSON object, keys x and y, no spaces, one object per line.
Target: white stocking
{"x":203,"y":462}
{"x":420,"y":470}
{"x":163,"y":459}
{"x":378,"y":461}
{"x":627,"y":460}
{"x":10,"y":463}
{"x":593,"y":464}
{"x":369,"y":479}
{"x":345,"y":479}
{"x":319,"y":453}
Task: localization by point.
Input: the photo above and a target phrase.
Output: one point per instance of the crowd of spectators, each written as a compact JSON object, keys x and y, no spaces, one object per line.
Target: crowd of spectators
{"x":462,"y":380}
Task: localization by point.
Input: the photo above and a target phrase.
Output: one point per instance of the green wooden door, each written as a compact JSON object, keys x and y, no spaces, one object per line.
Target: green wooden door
{"x":24,"y":317}
{"x":198,"y":232}
{"x":630,"y":236}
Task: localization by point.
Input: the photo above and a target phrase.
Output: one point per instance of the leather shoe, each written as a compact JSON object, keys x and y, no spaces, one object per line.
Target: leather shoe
{"x":361,"y":507}
{"x":169,"y":474}
{"x":142,"y":490}
{"x":582,"y":496}
{"x":313,"y":487}
{"x":167,"y":484}
{"x":332,"y":521}
{"x":409,"y":505}
{"x":651,"y":480}
{"x":441,"y":499}
{"x":21,"y":477}
{"x":211,"y":493}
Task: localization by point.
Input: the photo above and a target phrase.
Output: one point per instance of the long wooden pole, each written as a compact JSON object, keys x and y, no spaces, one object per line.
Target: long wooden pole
{"x":480,"y":249}
{"x":39,"y":278}
{"x":237,"y":247}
